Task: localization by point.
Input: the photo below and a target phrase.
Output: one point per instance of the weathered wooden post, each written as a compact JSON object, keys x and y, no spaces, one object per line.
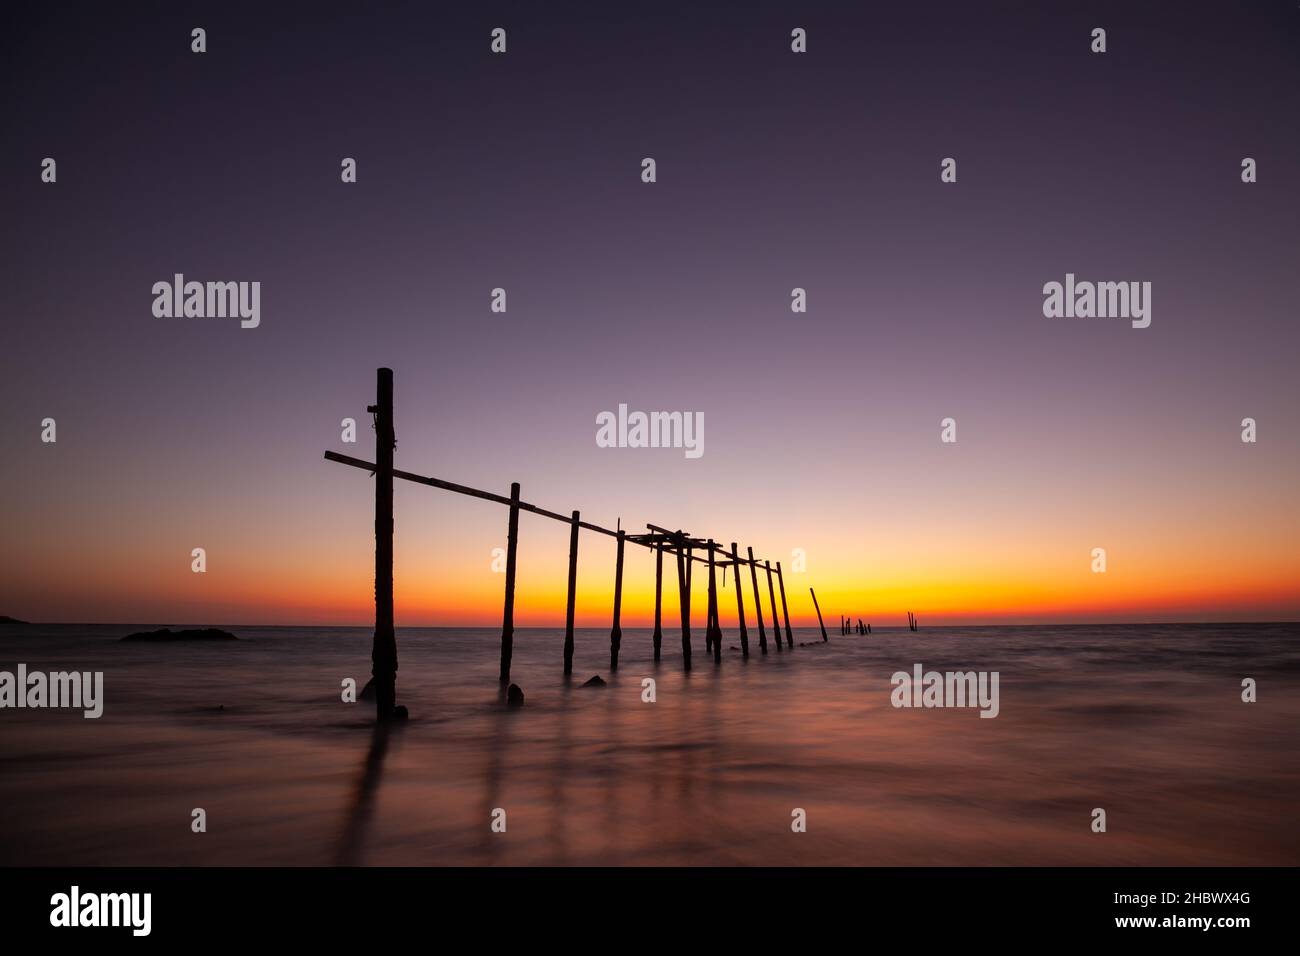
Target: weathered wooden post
{"x":659,"y":598}
{"x":740,"y":603}
{"x":508,"y":616}
{"x":684,"y":603}
{"x":714,"y":628}
{"x":709,"y":618}
{"x":690,"y":568}
{"x":383,"y":655}
{"x":616,"y":633}
{"x":819,"y":614}
{"x":785,"y":608}
{"x":573,"y":591}
{"x":758,"y":602}
{"x":771,"y":595}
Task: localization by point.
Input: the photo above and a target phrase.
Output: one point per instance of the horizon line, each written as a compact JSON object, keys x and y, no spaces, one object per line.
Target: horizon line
{"x":597,"y":627}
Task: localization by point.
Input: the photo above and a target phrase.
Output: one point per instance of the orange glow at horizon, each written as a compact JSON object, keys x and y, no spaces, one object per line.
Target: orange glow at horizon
{"x":430,"y":590}
{"x":996,"y":548}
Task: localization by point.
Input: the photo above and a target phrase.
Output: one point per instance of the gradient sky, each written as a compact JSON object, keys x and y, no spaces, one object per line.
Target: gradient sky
{"x":775,"y":171}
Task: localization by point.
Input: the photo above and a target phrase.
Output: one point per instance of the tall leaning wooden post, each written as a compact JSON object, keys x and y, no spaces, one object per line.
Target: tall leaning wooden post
{"x":383,"y":655}
{"x":616,"y":632}
{"x":573,"y":591}
{"x":740,"y":603}
{"x":659,"y":598}
{"x":714,"y":628}
{"x":758,"y":603}
{"x":785,"y":608}
{"x":771,"y":594}
{"x":819,"y":614}
{"x":508,"y":617}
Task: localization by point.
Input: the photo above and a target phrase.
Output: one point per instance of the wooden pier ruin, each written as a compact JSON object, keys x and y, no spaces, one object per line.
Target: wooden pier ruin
{"x":684,"y":548}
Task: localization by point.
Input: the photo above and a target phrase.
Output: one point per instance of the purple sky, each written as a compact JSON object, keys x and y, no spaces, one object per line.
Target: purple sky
{"x":775,"y":170}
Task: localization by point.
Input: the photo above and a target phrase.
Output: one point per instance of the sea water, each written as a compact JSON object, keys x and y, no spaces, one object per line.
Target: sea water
{"x":1146,"y":722}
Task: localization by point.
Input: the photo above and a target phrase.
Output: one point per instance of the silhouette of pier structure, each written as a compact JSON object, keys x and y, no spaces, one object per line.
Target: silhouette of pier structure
{"x":686,"y":550}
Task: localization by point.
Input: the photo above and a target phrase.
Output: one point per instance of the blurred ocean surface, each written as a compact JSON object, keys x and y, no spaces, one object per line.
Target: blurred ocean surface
{"x":1145,"y":721}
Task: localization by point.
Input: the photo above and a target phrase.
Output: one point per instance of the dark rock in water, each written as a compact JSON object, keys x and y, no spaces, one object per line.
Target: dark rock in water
{"x":194,"y":634}
{"x":11,"y":620}
{"x":368,"y":692}
{"x":400,"y":712}
{"x":515,"y":696}
{"x":595,"y":682}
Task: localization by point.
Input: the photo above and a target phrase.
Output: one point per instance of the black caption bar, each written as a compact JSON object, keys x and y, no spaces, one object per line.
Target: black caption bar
{"x":241,"y":905}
